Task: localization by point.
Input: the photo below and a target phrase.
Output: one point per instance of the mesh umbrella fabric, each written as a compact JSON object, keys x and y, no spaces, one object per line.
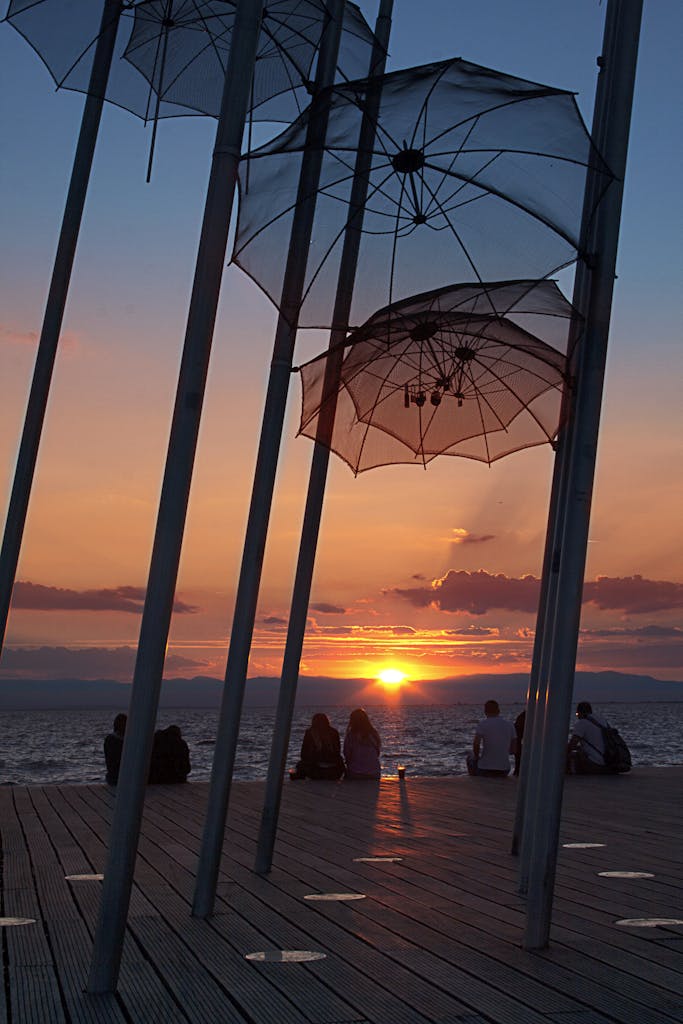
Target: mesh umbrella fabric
{"x":178,"y":50}
{"x":462,"y":370}
{"x":474,"y":175}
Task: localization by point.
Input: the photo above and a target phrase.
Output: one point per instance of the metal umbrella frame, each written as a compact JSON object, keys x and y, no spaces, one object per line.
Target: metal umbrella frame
{"x":471,"y":173}
{"x":463,"y":371}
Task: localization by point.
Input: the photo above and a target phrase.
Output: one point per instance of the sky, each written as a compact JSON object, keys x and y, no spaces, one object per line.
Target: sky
{"x":430,"y":573}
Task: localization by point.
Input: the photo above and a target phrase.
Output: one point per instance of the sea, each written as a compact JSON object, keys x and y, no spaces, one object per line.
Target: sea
{"x":65,"y":746}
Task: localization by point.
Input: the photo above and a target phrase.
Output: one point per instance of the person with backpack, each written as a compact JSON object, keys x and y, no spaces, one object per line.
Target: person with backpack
{"x":595,"y":747}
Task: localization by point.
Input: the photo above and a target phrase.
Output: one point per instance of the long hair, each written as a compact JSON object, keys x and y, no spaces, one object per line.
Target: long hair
{"x":361,"y":726}
{"x":320,"y":729}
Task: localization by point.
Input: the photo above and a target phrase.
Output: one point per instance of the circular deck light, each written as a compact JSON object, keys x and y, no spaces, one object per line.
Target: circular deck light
{"x":626,"y":874}
{"x":650,"y":922}
{"x":331,"y":897}
{"x":285,"y":956}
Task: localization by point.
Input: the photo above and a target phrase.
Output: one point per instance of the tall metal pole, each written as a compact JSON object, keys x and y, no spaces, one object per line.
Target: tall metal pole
{"x":54,"y":309}
{"x":264,"y":474}
{"x":156,"y":618}
{"x":620,"y":50}
{"x":321,"y":454}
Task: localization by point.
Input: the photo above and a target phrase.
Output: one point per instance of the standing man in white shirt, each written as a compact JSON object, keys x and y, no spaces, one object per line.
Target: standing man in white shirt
{"x":497,"y":736}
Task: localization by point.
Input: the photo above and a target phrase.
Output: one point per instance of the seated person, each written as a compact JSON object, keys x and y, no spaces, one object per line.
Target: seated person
{"x":170,"y":757}
{"x":520,"y":722}
{"x":586,"y":746}
{"x":361,"y":747}
{"x":113,"y":748}
{"x":499,"y":741}
{"x":320,"y":752}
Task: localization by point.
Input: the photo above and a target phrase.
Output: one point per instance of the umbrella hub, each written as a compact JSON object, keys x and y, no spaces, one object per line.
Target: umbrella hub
{"x":424,"y":331}
{"x":464,"y":353}
{"x":408,"y":161}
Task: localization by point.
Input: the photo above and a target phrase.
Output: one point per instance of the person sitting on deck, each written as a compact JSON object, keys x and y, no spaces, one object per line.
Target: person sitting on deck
{"x":498,"y":738}
{"x":320,"y":752}
{"x":520,"y":722}
{"x":113,"y":748}
{"x":361,"y":747}
{"x":170,"y":757}
{"x":586,"y":747}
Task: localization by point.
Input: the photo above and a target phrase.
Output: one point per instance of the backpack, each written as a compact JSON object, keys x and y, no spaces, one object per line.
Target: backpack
{"x":617,"y":756}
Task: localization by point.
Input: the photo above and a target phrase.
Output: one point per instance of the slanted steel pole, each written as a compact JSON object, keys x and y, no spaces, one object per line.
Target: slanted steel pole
{"x":620,"y":51}
{"x":156,"y":617}
{"x":264,"y":474}
{"x":54,"y":309}
{"x":321,"y":453}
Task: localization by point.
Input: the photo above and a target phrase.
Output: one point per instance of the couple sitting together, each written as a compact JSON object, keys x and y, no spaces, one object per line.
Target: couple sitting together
{"x":321,"y":755}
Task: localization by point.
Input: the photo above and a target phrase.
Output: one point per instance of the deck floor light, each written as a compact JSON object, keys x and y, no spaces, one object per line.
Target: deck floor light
{"x":626,"y":874}
{"x":285,"y":956}
{"x":334,"y":897}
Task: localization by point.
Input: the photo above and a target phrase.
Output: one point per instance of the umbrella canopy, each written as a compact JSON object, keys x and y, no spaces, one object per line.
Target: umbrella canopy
{"x":473,"y":174}
{"x":463,"y":370}
{"x":175,"y":52}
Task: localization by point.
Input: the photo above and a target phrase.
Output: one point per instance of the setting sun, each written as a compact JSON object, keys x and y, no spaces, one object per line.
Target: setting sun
{"x":391,"y":677}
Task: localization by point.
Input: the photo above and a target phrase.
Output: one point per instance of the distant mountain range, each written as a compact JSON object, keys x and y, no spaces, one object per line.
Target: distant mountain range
{"x":318,"y":691}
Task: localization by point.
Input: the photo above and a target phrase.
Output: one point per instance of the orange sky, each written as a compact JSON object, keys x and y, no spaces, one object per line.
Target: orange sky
{"x":388,"y":535}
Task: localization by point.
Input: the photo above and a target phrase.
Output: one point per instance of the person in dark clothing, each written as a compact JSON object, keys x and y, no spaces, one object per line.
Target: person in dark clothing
{"x":520,"y":722}
{"x":320,"y":752}
{"x":113,"y":748}
{"x":170,"y":757}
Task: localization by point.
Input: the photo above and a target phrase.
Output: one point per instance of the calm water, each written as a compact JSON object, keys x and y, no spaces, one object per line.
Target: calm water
{"x":66,"y":746}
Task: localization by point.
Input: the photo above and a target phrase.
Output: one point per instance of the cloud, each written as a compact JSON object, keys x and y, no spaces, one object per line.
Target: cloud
{"x":68,"y":341}
{"x":13,"y":337}
{"x":36,"y":597}
{"x":476,"y":593}
{"x":394,"y":630}
{"x":273,"y":620}
{"x":473,"y":631}
{"x":461,"y":536}
{"x":418,"y":576}
{"x":638,"y":632}
{"x":633,"y":594}
{"x":82,"y":663}
{"x":328,"y":609}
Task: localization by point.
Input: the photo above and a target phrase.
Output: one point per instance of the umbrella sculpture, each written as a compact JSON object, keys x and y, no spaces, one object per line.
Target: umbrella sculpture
{"x":472,"y":174}
{"x":470,"y":370}
{"x":468,"y":173}
{"x":462,"y":371}
{"x":155,"y":58}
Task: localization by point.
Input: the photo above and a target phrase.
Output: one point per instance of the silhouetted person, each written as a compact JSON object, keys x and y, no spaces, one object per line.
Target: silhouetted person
{"x":170,"y":757}
{"x":320,"y":752}
{"x":586,"y":746}
{"x":361,"y":747}
{"x":520,"y":722}
{"x":497,"y":737}
{"x":113,"y":748}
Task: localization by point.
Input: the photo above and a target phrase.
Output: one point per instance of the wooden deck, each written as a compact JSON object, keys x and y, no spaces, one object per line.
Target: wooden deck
{"x":436,"y":938}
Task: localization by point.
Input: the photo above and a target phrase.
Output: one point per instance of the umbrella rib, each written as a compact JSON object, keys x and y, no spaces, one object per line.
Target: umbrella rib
{"x":455,"y":156}
{"x":323,"y":260}
{"x":513,"y":202}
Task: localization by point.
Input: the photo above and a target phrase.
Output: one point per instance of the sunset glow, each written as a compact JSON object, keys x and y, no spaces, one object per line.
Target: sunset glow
{"x":391,"y":677}
{"x":422,"y":574}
